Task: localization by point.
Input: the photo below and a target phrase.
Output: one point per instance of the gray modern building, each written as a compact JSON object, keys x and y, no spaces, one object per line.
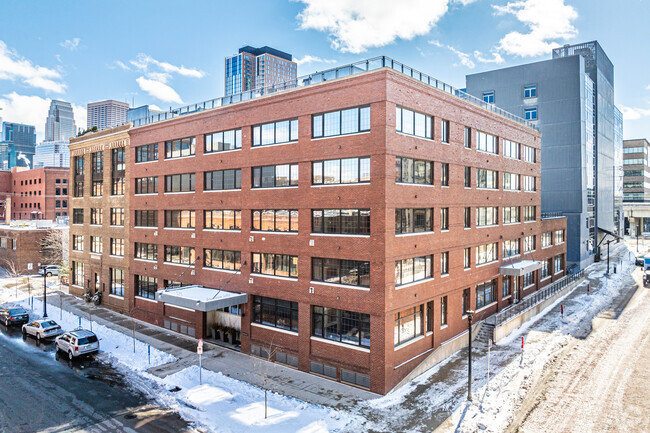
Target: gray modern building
{"x":17,"y":145}
{"x":107,"y":114}
{"x":570,"y":98}
{"x":52,"y":154}
{"x":141,"y":112}
{"x":59,"y":125}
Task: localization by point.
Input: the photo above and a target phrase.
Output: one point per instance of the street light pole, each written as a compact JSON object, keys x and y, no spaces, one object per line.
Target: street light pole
{"x":44,"y":292}
{"x":469,"y":364}
{"x":608,"y":257}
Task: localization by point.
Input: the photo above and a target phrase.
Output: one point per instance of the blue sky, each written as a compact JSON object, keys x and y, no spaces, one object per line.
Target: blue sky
{"x":170,"y":53}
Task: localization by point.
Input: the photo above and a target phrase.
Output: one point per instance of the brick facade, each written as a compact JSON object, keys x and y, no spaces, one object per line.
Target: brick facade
{"x":37,"y":194}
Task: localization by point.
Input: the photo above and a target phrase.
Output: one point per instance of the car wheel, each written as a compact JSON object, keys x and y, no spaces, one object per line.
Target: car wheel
{"x":38,"y":337}
{"x":49,"y":274}
{"x":7,"y":323}
{"x":70,"y":355}
{"x":24,"y":334}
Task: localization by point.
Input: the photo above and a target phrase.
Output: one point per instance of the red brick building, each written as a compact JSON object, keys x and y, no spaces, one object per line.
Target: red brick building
{"x":23,"y":246}
{"x":355,"y":220}
{"x":38,"y":194}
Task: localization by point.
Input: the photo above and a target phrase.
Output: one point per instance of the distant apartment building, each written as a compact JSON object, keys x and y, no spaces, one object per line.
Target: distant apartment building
{"x":99,"y":223}
{"x":37,"y":194}
{"x":52,"y":154}
{"x":254,"y":68}
{"x":570,"y":98}
{"x":636,"y":163}
{"x":17,"y":145}
{"x":107,"y":114}
{"x":60,"y":125}
{"x":141,"y":112}
{"x":351,"y":224}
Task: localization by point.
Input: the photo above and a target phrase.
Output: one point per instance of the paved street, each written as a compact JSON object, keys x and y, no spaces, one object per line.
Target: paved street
{"x":41,"y":393}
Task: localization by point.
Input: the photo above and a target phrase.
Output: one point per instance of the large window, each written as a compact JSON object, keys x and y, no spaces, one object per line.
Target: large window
{"x":348,"y":121}
{"x":117,"y":282}
{"x":414,"y":269}
{"x":409,"y":324}
{"x":467,"y":217}
{"x":79,"y":165}
{"x":529,"y":279}
{"x":96,"y":216}
{"x":486,"y":294}
{"x":528,"y":153}
{"x":444,"y":263}
{"x":487,"y":179}
{"x":510,"y":149}
{"x":180,"y":148}
{"x":97,"y":163}
{"x":145,"y":287}
{"x":529,"y":244}
{"x":488,"y":97}
{"x":444,"y":131}
{"x":529,"y":213}
{"x":413,"y":123}
{"x":510,"y":182}
{"x":338,"y":271}
{"x":530,"y":113}
{"x":283,"y":131}
{"x":486,"y":253}
{"x":343,"y":326}
{"x":444,"y":218}
{"x":179,"y":255}
{"x":146,"y":153}
{"x":529,"y":184}
{"x":468,"y":177}
{"x":413,"y":220}
{"x":145,"y":251}
{"x":222,"y":219}
{"x":117,"y":247}
{"x":117,"y":186}
{"x":180,"y":219}
{"x":443,"y":311}
{"x":146,"y":218}
{"x":341,"y":221}
{"x":341,"y":171}
{"x":96,"y":245}
{"x":77,"y":216}
{"x":118,"y":166}
{"x":77,"y":273}
{"x":559,"y":236}
{"x":510,"y":248}
{"x":179,"y":182}
{"x":146,"y":185}
{"x":506,"y":287}
{"x":118,"y":159}
{"x":222,"y":259}
{"x":444,"y":174}
{"x":486,"y":142}
{"x":97,"y":188}
{"x":275,"y":220}
{"x":545,"y":270}
{"x":547,"y":239}
{"x":465,"y":302}
{"x":558,"y":262}
{"x":416,"y":171}
{"x":280,"y":265}
{"x":487,"y":216}
{"x":223,"y":141}
{"x":511,"y":214}
{"x":275,"y":176}
{"x":275,"y":312}
{"x":467,"y":258}
{"x":468,"y":138}
{"x":117,"y":216}
{"x":222,"y":179}
{"x":530,"y":92}
{"x":77,"y":242}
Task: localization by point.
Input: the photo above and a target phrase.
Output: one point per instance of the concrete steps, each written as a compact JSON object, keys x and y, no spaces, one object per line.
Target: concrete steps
{"x":486,"y":333}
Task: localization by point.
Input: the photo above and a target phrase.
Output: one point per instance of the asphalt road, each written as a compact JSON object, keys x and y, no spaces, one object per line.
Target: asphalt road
{"x":40,"y":392}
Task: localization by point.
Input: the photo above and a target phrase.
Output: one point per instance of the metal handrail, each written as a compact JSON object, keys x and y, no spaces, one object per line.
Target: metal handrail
{"x":534,"y":299}
{"x":330,"y":74}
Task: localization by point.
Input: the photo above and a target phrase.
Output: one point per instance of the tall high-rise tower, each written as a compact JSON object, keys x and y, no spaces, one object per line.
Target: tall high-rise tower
{"x":254,"y":68}
{"x":107,"y":114}
{"x":59,"y":125}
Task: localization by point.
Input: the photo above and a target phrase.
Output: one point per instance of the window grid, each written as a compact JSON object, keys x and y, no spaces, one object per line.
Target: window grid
{"x":341,"y":122}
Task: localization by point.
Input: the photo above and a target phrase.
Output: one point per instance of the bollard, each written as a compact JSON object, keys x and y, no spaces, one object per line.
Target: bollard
{"x":149,"y":353}
{"x":80,"y":321}
{"x":562,"y":309}
{"x":614,"y":268}
{"x":587,"y":289}
{"x":522,"y":343}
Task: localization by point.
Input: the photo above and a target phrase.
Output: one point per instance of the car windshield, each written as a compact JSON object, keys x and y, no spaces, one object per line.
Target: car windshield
{"x":16,"y":311}
{"x":87,"y":340}
{"x":49,"y":324}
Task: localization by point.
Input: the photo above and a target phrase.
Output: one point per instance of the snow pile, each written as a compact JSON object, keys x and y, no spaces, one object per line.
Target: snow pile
{"x":119,"y":346}
{"x":228,"y":405}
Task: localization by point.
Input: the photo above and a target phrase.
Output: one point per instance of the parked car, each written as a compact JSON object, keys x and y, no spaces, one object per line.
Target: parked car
{"x":49,"y":270}
{"x":639,"y":260}
{"x":76,"y":343}
{"x":13,"y":316}
{"x":42,"y":329}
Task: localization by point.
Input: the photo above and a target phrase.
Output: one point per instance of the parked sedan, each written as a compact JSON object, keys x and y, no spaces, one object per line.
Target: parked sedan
{"x":76,"y":343}
{"x":14,"y":316}
{"x":49,"y":270}
{"x":639,"y":260}
{"x":42,"y":329}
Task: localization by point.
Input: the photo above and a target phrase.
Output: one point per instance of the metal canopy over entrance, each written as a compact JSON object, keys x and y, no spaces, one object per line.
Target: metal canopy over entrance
{"x":520,"y":268}
{"x":200,"y":298}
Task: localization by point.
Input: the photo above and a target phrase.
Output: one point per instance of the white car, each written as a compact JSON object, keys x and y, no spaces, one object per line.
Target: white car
{"x":42,"y":329}
{"x":76,"y":343}
{"x":49,"y":270}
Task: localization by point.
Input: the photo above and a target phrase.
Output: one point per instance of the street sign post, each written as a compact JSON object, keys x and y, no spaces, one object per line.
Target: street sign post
{"x":199,"y":350}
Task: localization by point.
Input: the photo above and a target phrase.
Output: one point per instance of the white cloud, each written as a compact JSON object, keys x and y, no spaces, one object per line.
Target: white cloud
{"x":647,"y":87}
{"x":30,"y":110}
{"x":13,"y":67}
{"x":634,"y":113}
{"x":464,"y":58}
{"x":159,"y":90}
{"x":312,"y":59}
{"x":80,"y":116}
{"x":355,"y":26}
{"x":496,"y":58}
{"x":547,"y":20}
{"x":155,"y":107}
{"x":144,"y":62}
{"x":71,"y":44}
{"x":464,"y":2}
{"x":122,"y":65}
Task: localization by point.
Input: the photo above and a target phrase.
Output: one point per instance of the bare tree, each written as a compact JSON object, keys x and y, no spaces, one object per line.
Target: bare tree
{"x":13,"y":271}
{"x":263,"y":368}
{"x":55,"y":246}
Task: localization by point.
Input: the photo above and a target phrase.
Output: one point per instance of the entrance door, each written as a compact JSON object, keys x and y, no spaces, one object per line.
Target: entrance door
{"x":97,"y":284}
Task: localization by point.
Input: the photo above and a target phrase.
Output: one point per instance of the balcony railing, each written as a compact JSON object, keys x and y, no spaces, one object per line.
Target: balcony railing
{"x":331,"y":74}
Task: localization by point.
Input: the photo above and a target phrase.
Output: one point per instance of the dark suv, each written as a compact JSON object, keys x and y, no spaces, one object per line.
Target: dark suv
{"x":14,"y":316}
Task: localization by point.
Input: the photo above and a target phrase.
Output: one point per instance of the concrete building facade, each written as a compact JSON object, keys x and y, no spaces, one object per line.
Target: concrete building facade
{"x":571,"y":100}
{"x":52,"y":154}
{"x":99,"y":221}
{"x":107,"y":114}
{"x":60,"y":125}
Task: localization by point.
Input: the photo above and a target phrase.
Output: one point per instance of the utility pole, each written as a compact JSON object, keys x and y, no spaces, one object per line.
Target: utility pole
{"x":44,"y":292}
{"x":469,"y":353}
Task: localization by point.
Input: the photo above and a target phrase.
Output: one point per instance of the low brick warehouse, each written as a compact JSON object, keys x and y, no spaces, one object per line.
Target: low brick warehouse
{"x":362,"y":216}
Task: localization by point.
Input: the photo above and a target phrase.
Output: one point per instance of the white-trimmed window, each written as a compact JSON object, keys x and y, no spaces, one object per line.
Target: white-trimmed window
{"x":487,"y":216}
{"x":486,"y":142}
{"x":486,"y":253}
{"x":528,"y":153}
{"x":546,"y":239}
{"x":529,"y":244}
{"x":510,"y":248}
{"x":413,"y":123}
{"x":529,"y":184}
{"x":510,"y":182}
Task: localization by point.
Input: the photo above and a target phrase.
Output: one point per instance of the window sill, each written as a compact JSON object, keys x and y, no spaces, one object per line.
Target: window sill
{"x":263,"y":146}
{"x":275,"y":277}
{"x":259,"y":188}
{"x":116,"y":257}
{"x":96,"y":256}
{"x":443,"y":327}
{"x":339,"y":184}
{"x":145,"y":194}
{"x":185,"y":265}
{"x":408,"y":343}
{"x":223,"y":190}
{"x":487,"y":227}
{"x":228,"y":271}
{"x":113,"y":225}
{"x":404,"y":286}
{"x":218,"y":152}
{"x":506,"y":297}
{"x":414,"y":136}
{"x":344,"y":286}
{"x":444,"y":275}
{"x":485,"y":307}
{"x":178,"y":192}
{"x":511,"y":224}
{"x":414,"y":184}
{"x":146,"y":299}
{"x":530,"y":286}
{"x":146,"y":162}
{"x":223,"y":230}
{"x":338,"y":343}
{"x":146,"y":227}
{"x":264,"y":232}
{"x":273,"y":328}
{"x":487,"y":263}
{"x":145,"y":260}
{"x":403,"y":235}
{"x":545,"y":278}
{"x":121,"y":298}
{"x":343,"y":135}
{"x":186,"y":229}
{"x":174,"y":158}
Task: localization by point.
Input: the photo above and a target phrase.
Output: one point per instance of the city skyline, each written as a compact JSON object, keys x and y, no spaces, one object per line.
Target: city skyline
{"x":68,"y":60}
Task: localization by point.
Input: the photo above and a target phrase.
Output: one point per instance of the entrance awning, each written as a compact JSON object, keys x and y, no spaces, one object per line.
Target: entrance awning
{"x":520,"y":268}
{"x":200,"y":298}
